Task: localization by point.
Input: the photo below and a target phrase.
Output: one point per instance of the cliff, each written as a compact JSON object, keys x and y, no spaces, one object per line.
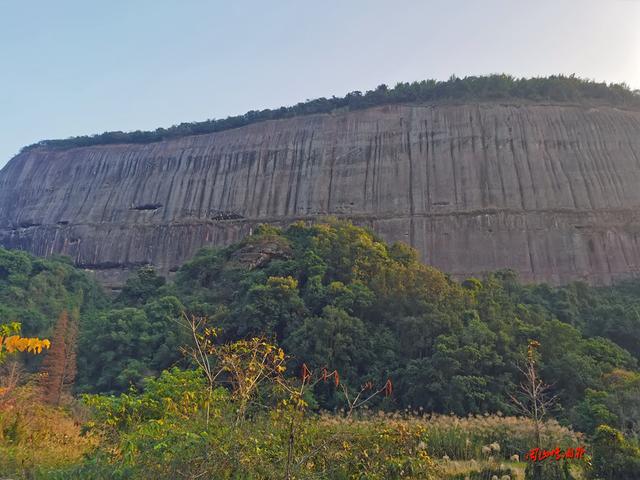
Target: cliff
{"x":551,"y":191}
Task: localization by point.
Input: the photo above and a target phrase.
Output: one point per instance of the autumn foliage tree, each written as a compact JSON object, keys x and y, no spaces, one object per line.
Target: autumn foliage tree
{"x":11,"y":341}
{"x":60,"y":363}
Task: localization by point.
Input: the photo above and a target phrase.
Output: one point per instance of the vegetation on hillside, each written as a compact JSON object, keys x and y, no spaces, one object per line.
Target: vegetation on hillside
{"x":35,"y":291}
{"x":335,"y":295}
{"x":318,"y":351}
{"x":557,"y":88}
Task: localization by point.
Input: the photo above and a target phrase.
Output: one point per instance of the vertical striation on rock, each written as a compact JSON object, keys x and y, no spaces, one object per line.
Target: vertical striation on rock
{"x":551,"y":191}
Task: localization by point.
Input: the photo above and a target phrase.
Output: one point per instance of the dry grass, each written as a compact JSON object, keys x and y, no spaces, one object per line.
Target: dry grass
{"x":464,"y":438}
{"x":465,"y":467}
{"x":461,"y":445}
{"x":34,"y":435}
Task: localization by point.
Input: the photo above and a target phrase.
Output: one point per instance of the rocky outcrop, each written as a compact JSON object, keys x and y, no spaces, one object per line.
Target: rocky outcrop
{"x":256,"y":254}
{"x":551,"y":191}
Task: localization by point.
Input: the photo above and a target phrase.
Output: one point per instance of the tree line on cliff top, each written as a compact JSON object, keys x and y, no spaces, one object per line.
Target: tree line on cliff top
{"x":557,"y":88}
{"x":334,"y":295}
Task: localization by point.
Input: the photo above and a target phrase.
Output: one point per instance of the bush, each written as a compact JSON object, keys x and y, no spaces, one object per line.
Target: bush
{"x":549,"y":470}
{"x":613,"y":456}
{"x":485,"y":474}
{"x":174,"y":429}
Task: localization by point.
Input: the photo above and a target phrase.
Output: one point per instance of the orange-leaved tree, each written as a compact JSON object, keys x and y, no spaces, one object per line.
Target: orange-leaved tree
{"x":11,"y":341}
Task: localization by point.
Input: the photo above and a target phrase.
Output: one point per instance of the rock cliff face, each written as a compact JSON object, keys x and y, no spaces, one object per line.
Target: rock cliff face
{"x":551,"y":191}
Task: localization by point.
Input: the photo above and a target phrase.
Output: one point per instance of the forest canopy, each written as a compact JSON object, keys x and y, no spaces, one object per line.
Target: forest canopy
{"x":335,"y":295}
{"x":557,"y":88}
{"x":344,"y":306}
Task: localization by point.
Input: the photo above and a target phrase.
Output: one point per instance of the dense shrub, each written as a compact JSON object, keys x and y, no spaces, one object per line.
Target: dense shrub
{"x":487,"y":473}
{"x":548,"y":470}
{"x":614,"y":457}
{"x":163,"y":433}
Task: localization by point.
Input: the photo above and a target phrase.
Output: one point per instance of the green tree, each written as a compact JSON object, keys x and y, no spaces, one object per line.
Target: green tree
{"x":140,"y":287}
{"x":613,"y":456}
{"x":121,"y":347}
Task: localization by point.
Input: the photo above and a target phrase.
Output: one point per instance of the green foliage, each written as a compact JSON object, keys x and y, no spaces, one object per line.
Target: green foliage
{"x":613,"y":456}
{"x":140,"y":287}
{"x":33,"y":291}
{"x":162,"y":432}
{"x":548,"y":470}
{"x":335,"y":295}
{"x":616,"y":404}
{"x":175,"y":393}
{"x":608,"y":312}
{"x":486,"y":473}
{"x":120,"y":347}
{"x":558,"y":88}
{"x":174,"y":427}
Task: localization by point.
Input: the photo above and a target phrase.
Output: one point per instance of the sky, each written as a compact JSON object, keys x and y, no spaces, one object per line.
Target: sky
{"x":79,"y":67}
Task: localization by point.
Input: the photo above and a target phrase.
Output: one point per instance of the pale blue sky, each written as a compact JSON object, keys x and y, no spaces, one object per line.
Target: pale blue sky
{"x":81,"y":67}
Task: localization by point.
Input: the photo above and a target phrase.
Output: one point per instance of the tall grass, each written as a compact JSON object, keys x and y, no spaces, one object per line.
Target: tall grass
{"x":477,"y":436}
